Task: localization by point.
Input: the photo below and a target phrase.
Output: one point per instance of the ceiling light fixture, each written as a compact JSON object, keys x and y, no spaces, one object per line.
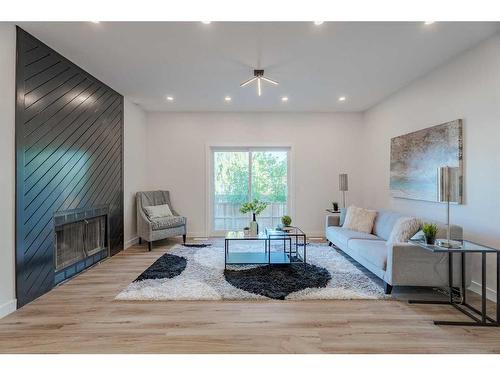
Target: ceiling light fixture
{"x":95,"y":21}
{"x":317,"y":23}
{"x":227,"y":98}
{"x":428,"y":22}
{"x":342,"y":99}
{"x":258,"y":76}
{"x":170,"y":98}
{"x":206,"y":22}
{"x":284,"y":99}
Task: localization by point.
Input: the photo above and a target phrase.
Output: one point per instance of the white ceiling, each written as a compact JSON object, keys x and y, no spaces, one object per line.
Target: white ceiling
{"x":200,"y":64}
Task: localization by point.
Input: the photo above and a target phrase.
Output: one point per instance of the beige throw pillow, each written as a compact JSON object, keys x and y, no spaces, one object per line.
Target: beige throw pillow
{"x":155,"y":212}
{"x":359,"y":219}
{"x":404,"y":229}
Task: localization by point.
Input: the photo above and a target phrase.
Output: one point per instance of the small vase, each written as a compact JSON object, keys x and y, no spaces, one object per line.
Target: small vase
{"x":335,"y":207}
{"x":254,"y":227}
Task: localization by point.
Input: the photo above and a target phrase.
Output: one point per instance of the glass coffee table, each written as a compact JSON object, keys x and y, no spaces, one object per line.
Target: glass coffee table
{"x":290,"y":253}
{"x":478,"y":317}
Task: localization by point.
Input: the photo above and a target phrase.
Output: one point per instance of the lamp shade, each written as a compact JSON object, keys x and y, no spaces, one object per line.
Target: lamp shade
{"x":343,"y":183}
{"x":448,"y":185}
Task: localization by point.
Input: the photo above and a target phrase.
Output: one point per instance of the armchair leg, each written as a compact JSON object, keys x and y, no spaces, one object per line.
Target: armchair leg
{"x":184,"y":239}
{"x":387,"y":288}
{"x":150,"y":245}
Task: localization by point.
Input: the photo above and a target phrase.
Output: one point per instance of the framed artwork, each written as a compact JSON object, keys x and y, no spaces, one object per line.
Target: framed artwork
{"x":416,"y":157}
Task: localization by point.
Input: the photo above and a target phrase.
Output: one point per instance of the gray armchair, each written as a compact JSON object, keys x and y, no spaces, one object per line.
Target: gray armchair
{"x":160,"y":228}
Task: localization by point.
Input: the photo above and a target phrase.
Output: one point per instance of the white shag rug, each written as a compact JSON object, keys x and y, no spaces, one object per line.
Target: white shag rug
{"x":203,"y":278}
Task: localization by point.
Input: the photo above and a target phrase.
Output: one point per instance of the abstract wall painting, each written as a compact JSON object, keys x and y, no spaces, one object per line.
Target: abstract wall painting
{"x":415,"y":158}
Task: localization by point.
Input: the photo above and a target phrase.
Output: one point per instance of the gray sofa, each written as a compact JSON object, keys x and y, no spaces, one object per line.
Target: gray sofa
{"x":160,"y":228}
{"x":400,"y":264}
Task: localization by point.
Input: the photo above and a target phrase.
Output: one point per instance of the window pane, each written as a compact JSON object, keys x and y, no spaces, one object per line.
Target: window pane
{"x":231,"y":175}
{"x":269,"y":184}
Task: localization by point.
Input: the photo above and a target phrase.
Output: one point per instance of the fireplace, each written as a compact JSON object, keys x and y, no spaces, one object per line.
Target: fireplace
{"x":81,"y":240}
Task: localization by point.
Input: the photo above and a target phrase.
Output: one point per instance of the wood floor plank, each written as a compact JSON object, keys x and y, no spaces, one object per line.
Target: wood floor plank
{"x":81,"y":316}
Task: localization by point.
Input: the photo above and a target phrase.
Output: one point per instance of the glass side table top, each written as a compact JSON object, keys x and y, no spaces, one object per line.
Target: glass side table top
{"x":465,"y":247}
{"x":240,"y":235}
{"x":290,"y":231}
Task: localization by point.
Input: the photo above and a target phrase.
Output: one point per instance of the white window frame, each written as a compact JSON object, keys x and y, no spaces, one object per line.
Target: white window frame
{"x":210,"y":148}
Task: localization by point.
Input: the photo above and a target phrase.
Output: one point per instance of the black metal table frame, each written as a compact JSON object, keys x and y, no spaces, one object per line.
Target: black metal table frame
{"x":463,"y":305}
{"x":267,"y":246}
{"x":289,"y":236}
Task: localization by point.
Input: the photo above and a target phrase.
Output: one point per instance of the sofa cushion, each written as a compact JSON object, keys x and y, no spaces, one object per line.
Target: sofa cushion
{"x":384,"y":222}
{"x":340,"y":235}
{"x":167,"y":222}
{"x":404,"y":229}
{"x":373,"y":251}
{"x":359,"y":219}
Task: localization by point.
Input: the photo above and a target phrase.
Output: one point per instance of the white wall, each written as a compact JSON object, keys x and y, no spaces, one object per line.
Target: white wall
{"x":468,"y":88}
{"x":323,"y":145}
{"x":7,"y":167}
{"x":134,"y":166}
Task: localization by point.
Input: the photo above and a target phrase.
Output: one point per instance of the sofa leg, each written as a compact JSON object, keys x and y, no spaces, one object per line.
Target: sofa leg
{"x":330,"y":243}
{"x":150,"y":245}
{"x":140,"y":241}
{"x":184,"y":239}
{"x":387,"y":288}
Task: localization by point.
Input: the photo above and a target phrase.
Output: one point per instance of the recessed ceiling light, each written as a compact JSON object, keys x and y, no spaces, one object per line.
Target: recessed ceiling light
{"x":317,"y":23}
{"x":284,"y":99}
{"x":342,"y":99}
{"x":227,"y":98}
{"x":170,"y":98}
{"x":428,"y":22}
{"x":206,"y":22}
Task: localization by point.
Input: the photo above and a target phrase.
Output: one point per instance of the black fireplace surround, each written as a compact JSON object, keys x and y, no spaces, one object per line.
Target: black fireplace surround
{"x":69,"y":169}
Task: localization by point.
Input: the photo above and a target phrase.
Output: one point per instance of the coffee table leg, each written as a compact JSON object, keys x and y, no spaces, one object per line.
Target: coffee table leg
{"x":483,"y":287}
{"x":498,"y":287}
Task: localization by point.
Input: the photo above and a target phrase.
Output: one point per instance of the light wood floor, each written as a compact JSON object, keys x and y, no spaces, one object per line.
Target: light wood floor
{"x":81,"y":316}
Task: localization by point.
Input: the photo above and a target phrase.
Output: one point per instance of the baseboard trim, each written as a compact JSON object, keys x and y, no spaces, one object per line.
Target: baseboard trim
{"x":490,"y":293}
{"x":8,"y":308}
{"x":133,"y":241}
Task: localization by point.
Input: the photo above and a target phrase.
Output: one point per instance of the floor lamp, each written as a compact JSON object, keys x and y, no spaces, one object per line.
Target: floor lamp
{"x":448,"y":192}
{"x":343,"y":186}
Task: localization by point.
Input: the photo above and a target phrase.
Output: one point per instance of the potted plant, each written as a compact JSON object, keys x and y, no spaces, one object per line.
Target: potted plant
{"x":430,"y":231}
{"x":286,"y":221}
{"x":335,"y":206}
{"x":255,"y":207}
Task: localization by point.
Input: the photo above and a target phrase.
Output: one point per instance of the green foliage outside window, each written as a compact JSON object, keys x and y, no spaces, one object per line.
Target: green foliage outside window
{"x":269,"y":176}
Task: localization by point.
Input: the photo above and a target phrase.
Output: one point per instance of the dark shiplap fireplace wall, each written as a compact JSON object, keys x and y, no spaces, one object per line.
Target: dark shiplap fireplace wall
{"x":69,"y":155}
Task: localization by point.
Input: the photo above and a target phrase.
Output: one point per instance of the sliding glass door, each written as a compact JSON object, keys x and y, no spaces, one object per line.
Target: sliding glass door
{"x":244,"y":174}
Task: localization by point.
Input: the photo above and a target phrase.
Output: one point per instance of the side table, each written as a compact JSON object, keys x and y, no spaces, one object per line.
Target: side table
{"x":479,"y":317}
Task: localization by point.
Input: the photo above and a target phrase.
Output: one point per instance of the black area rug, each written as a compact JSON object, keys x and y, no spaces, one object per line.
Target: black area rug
{"x":278,"y":281}
{"x":165,"y":267}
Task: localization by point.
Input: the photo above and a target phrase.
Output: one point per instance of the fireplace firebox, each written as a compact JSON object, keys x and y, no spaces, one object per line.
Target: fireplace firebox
{"x":81,"y":240}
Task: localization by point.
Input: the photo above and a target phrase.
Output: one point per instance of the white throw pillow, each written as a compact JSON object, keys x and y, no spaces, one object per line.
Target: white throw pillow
{"x":404,"y":229}
{"x":359,"y":219}
{"x":155,"y":212}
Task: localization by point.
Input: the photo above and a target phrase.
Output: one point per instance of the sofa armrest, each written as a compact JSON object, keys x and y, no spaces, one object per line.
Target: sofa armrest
{"x":332,"y":221}
{"x":411,"y":265}
{"x":143,"y":224}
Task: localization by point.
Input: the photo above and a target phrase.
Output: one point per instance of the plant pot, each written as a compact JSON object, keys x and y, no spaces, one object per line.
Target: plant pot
{"x":430,"y":240}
